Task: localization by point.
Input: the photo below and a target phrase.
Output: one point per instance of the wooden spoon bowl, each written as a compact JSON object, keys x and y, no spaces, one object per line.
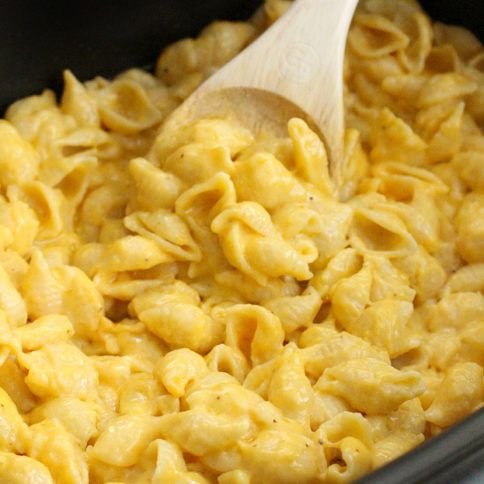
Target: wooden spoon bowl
{"x":295,"y":69}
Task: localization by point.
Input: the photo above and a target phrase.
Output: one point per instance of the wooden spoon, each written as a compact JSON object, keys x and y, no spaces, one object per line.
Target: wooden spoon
{"x":295,"y":69}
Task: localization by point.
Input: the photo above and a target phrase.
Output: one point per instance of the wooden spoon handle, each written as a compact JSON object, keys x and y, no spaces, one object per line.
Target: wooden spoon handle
{"x":301,"y":59}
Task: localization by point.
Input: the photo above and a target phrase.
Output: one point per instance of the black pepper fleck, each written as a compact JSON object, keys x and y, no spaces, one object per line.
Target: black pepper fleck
{"x":320,"y":441}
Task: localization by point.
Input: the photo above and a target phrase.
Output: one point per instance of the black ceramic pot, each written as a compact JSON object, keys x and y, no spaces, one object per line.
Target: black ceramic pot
{"x":38,"y":39}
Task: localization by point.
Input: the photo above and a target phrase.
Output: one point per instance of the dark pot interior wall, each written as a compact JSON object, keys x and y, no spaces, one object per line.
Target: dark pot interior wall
{"x":39,"y":39}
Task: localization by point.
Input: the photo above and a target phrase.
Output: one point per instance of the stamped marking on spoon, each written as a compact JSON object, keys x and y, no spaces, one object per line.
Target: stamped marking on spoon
{"x":299,"y":63}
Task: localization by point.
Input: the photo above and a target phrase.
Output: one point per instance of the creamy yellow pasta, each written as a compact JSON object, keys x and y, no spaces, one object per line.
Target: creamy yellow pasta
{"x":206,"y":306}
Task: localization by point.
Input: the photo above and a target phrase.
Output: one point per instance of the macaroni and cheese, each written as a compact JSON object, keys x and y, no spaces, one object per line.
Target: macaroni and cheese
{"x":206,"y":305}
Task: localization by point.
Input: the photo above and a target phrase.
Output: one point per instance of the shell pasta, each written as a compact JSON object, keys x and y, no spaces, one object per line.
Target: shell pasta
{"x":208,"y":305}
